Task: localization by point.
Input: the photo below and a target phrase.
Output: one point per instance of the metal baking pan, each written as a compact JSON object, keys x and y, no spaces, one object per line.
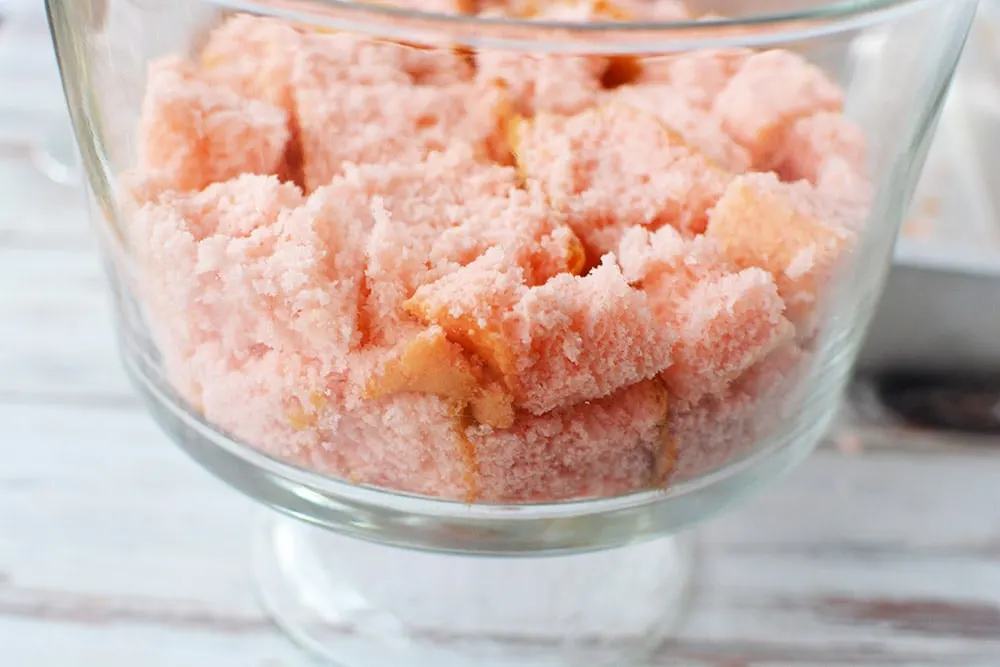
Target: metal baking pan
{"x":940,"y":312}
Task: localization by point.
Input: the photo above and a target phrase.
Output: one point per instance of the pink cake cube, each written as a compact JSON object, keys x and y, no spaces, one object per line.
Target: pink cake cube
{"x":430,"y":217}
{"x":426,"y":362}
{"x":762,"y":222}
{"x":257,"y":56}
{"x":664,"y":255}
{"x":523,"y":226}
{"x":541,"y":83}
{"x":724,"y":326}
{"x":415,"y":443}
{"x":654,"y":10}
{"x":437,"y":65}
{"x":769,"y":92}
{"x":390,"y":122}
{"x":348,"y":57}
{"x":845,"y":195}
{"x":253,"y":55}
{"x":725,"y":321}
{"x":714,"y":430}
{"x":812,"y":142}
{"x":266,"y":274}
{"x":612,"y":168}
{"x":672,"y":106}
{"x":271,"y":400}
{"x":605,"y":447}
{"x":407,"y":207}
{"x":572,"y":339}
{"x":193,"y":133}
{"x":701,"y":75}
{"x":472,"y":305}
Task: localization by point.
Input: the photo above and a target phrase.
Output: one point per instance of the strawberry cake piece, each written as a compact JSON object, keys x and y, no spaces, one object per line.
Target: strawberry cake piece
{"x":193,"y":133}
{"x":531,"y":235}
{"x":830,"y":151}
{"x":767,"y":95}
{"x":347,"y":57}
{"x":389,"y":122}
{"x":406,"y":208}
{"x":540,"y":83}
{"x":572,"y":339}
{"x":549,"y":83}
{"x":845,"y":196}
{"x":700,"y":75}
{"x":615,"y":167}
{"x":811,"y":143}
{"x":654,"y":11}
{"x":672,"y":106}
{"x":725,"y":320}
{"x":270,"y":271}
{"x":258,"y":57}
{"x":426,"y":362}
{"x":431,"y":217}
{"x":718,"y":428}
{"x":262,"y":58}
{"x":254,"y":56}
{"x":271,"y":399}
{"x":614,"y":445}
{"x":723,"y":327}
{"x":408,"y":442}
{"x":764,"y":223}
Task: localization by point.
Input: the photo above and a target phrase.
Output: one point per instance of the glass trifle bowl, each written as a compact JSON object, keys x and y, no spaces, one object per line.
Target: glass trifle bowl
{"x":488,"y":301}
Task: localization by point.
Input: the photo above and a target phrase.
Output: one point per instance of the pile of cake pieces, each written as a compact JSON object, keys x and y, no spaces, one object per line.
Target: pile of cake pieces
{"x":490,"y":276}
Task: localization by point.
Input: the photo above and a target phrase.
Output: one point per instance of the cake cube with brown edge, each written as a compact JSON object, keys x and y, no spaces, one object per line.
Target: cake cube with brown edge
{"x":570,"y":340}
{"x":764,"y":223}
{"x":429,"y":363}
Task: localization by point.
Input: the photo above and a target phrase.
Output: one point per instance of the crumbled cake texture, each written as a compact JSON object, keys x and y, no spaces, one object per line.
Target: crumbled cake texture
{"x":490,"y":276}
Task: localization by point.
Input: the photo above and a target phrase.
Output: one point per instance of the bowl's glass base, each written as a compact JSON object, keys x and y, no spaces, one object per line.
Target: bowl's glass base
{"x":359,"y":604}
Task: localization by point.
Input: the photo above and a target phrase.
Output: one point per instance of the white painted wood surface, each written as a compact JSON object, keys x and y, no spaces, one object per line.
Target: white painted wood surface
{"x":117,"y":551}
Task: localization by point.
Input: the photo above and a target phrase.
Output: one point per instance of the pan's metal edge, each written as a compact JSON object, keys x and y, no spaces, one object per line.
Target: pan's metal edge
{"x":956,"y":259}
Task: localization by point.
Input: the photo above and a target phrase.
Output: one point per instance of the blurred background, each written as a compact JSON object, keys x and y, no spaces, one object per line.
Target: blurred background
{"x":884,"y":549}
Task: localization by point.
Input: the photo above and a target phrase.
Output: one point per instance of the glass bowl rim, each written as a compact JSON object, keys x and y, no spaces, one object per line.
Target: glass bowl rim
{"x":757,"y":30}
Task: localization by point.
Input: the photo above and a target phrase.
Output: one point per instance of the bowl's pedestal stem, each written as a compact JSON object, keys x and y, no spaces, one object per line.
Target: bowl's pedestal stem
{"x":358,"y":604}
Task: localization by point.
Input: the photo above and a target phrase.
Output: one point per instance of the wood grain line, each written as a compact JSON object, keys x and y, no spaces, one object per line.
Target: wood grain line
{"x":752,"y":654}
{"x":988,"y":550}
{"x":104,"y":610}
{"x":91,"y":609}
{"x":966,"y":620}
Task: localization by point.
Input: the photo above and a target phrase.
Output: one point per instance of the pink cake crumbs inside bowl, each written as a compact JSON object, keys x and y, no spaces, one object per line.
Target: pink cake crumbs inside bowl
{"x":699,"y":130}
{"x":487,"y":275}
{"x":764,"y":223}
{"x":814,"y":141}
{"x":194,"y":134}
{"x":613,"y":167}
{"x":767,"y":94}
